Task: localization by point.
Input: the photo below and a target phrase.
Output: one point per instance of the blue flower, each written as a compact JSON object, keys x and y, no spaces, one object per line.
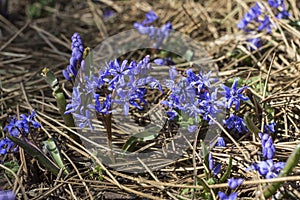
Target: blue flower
{"x":84,"y":118}
{"x":223,"y":196}
{"x":163,"y":61}
{"x":76,"y":58}
{"x":235,"y":123}
{"x":201,"y":81}
{"x":150,"y":17}
{"x":156,"y":34}
{"x":182,"y":95}
{"x":234,"y":95}
{"x":75,"y":103}
{"x":105,"y":107}
{"x":140,"y":68}
{"x":255,"y":43}
{"x":210,"y":105}
{"x":275,"y":3}
{"x":220,"y":142}
{"x":192,"y":128}
{"x":7,"y":195}
{"x":253,"y":14}
{"x":265,"y":24}
{"x":11,"y":128}
{"x":270,"y":128}
{"x":267,"y":168}
{"x":25,"y":122}
{"x":234,"y":183}
{"x":118,"y":72}
{"x":268,"y":148}
{"x":22,"y":125}
{"x":282,"y":14}
{"x":107,"y":13}
{"x":130,"y":97}
{"x":5,"y":145}
{"x":17,"y":127}
{"x":211,"y":165}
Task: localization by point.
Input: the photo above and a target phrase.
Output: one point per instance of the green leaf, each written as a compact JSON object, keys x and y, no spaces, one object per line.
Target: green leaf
{"x":35,"y":152}
{"x":146,"y":135}
{"x":203,"y":183}
{"x":97,"y":171}
{"x":14,"y":166}
{"x":227,"y":172}
{"x":54,"y":153}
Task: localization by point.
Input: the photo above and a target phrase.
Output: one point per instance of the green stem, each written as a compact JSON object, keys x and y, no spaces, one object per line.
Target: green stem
{"x":206,"y":162}
{"x":250,"y":124}
{"x":61,"y":101}
{"x":292,"y":161}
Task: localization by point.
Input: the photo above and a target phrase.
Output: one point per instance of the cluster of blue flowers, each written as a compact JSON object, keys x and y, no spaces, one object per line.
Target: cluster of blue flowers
{"x":16,"y":128}
{"x":257,"y":14}
{"x":234,"y":96}
{"x":268,"y":168}
{"x":76,"y":58}
{"x":192,"y":96}
{"x":126,"y":85}
{"x":156,"y":34}
{"x":121,"y":84}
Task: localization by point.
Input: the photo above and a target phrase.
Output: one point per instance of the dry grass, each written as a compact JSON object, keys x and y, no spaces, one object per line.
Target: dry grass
{"x":26,"y":46}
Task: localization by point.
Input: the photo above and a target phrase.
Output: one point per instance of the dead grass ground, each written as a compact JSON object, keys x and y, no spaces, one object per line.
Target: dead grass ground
{"x":28,"y":45}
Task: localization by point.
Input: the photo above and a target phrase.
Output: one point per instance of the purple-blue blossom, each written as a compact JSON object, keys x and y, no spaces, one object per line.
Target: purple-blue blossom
{"x":235,"y":123}
{"x":163,"y":61}
{"x":192,"y":128}
{"x":75,"y":103}
{"x":276,"y":3}
{"x":234,"y":95}
{"x":5,"y":145}
{"x":223,"y":196}
{"x":211,"y":165}
{"x":220,"y":142}
{"x":234,"y":183}
{"x":200,"y":81}
{"x":104,"y":107}
{"x":84,"y":118}
{"x":258,"y":15}
{"x":255,"y":43}
{"x":266,"y":24}
{"x":16,"y":128}
{"x":76,"y":58}
{"x":267,"y":168}
{"x":155,"y":34}
{"x":268,"y":148}
{"x":210,"y":105}
{"x":7,"y":195}
{"x":130,"y":96}
{"x":192,"y":95}
{"x":118,"y":71}
{"x":270,"y":128}
{"x":252,"y":15}
{"x":150,"y":17}
{"x":22,"y":126}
